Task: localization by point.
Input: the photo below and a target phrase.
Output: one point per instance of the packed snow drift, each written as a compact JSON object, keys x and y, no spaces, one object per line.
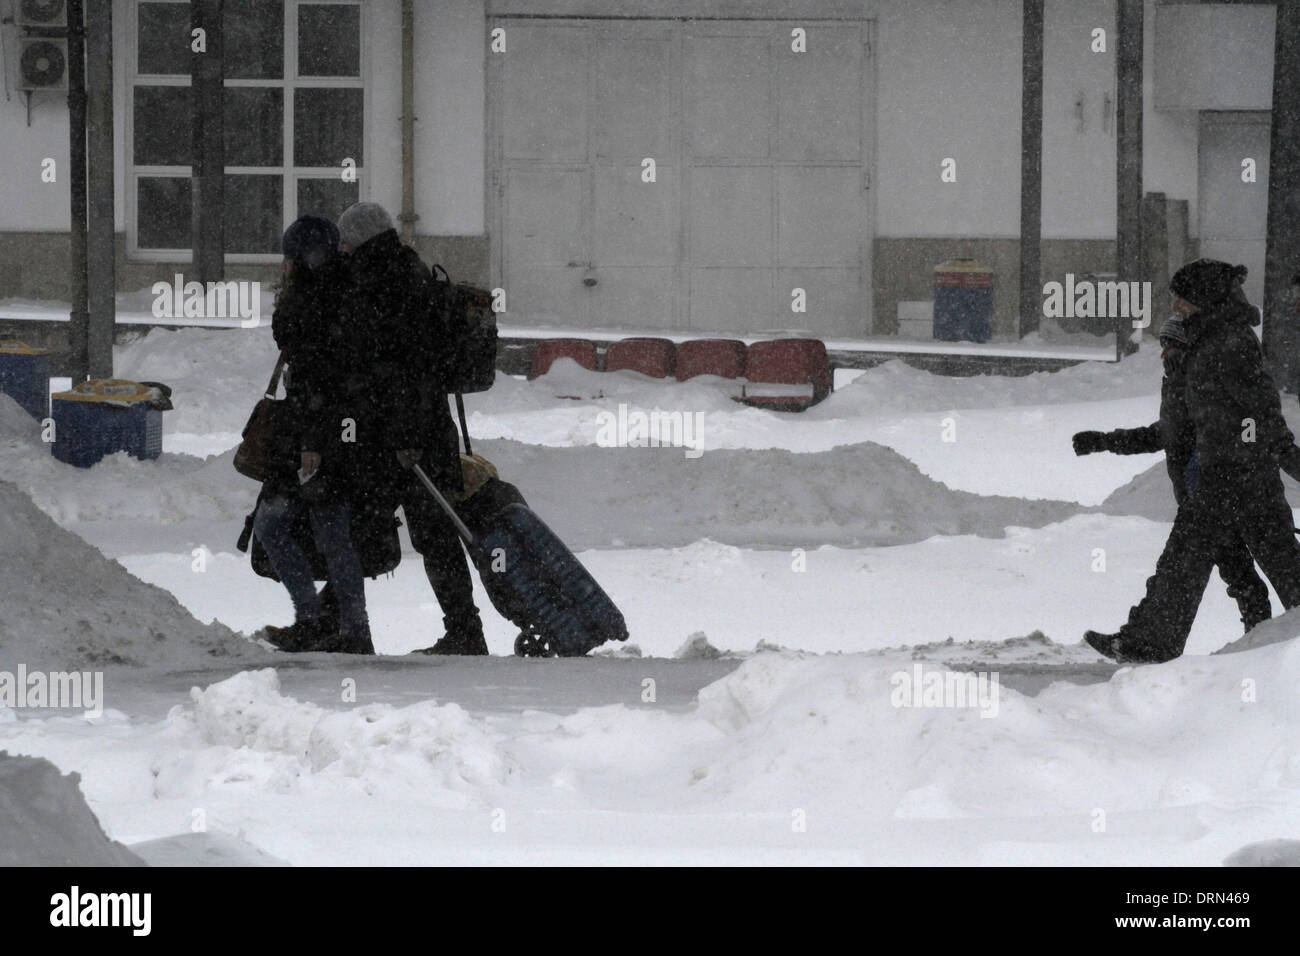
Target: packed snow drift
{"x":805,"y":597}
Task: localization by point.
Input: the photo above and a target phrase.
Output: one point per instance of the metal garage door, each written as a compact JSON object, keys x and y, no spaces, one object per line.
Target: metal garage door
{"x":761,"y":173}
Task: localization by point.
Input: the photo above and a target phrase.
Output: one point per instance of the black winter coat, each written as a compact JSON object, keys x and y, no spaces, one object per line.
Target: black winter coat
{"x":307,"y":326}
{"x":1227,"y":388}
{"x":398,"y":352}
{"x":1173,"y":433}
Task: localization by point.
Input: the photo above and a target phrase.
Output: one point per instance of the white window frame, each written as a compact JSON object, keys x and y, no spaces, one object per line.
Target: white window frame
{"x":289,"y":175}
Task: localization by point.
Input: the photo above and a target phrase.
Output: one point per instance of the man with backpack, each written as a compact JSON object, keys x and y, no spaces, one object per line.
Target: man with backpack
{"x":402,"y":353}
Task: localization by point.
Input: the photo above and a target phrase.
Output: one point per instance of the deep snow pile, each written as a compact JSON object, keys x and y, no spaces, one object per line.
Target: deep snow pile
{"x":898,"y":387}
{"x":45,"y":821}
{"x":1189,"y":761}
{"x":864,"y":494}
{"x":216,"y":376}
{"x":68,"y":607}
{"x":170,"y":489}
{"x":853,"y":496}
{"x":514,"y":408}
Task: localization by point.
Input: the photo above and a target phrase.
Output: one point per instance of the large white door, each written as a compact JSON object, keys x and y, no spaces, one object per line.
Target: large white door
{"x":760,"y":155}
{"x":1233,"y":216}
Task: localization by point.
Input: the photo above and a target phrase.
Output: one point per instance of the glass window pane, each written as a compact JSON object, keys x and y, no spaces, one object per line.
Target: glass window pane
{"x":253,"y":31}
{"x":163,"y":212}
{"x":326,"y":197}
{"x":327,"y":126}
{"x":329,"y":40}
{"x":162,"y":125}
{"x":254,"y":213}
{"x":254,"y":126}
{"x":164,"y":38}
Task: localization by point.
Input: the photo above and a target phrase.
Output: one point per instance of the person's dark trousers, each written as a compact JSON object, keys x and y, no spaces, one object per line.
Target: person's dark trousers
{"x":445,"y":563}
{"x":1237,"y":569}
{"x":1243,"y":503}
{"x":330,"y":523}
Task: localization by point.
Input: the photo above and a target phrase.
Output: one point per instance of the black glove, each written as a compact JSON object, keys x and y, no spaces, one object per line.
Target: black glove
{"x":408,"y":458}
{"x":1085,"y":443}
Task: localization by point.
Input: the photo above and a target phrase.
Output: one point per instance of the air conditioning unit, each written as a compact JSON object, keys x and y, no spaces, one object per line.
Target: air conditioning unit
{"x":41,"y":13}
{"x":42,"y":63}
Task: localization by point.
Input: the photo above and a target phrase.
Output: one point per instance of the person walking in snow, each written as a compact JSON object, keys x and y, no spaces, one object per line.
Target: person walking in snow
{"x":398,"y":360}
{"x":1241,"y":441}
{"x":1174,"y":434}
{"x":306,"y":326}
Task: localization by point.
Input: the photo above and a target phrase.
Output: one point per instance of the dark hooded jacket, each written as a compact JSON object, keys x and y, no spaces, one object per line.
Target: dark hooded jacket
{"x":1173,"y":433}
{"x":308,"y":329}
{"x":1229,"y":394}
{"x":397,"y":352}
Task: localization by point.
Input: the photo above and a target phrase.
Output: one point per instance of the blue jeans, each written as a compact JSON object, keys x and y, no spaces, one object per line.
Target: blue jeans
{"x":330,"y":523}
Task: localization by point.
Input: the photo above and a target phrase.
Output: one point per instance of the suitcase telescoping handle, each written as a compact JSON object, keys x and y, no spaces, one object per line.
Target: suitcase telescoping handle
{"x":445,"y":505}
{"x":464,"y":425}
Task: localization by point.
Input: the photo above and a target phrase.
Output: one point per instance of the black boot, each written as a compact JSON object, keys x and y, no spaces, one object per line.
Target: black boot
{"x":350,"y":642}
{"x":462,"y":638}
{"x":1124,"y":649}
{"x":302,"y":637}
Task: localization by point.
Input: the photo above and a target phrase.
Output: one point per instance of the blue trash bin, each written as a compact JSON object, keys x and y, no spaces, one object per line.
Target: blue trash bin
{"x":963,"y":301}
{"x":25,"y":377}
{"x":103,"y":416}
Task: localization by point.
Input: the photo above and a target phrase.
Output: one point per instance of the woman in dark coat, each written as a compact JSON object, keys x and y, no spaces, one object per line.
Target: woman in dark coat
{"x":320,"y":479}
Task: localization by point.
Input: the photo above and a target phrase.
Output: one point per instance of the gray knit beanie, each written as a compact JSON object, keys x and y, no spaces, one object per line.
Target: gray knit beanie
{"x":361,"y":222}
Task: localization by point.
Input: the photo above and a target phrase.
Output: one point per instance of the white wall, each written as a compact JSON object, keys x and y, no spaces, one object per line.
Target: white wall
{"x":382,"y":42}
{"x":948,"y":82}
{"x":1170,"y":138}
{"x":26,"y":203}
{"x":1215,"y":56}
{"x":947,"y":85}
{"x":451,"y":109}
{"x":1078,"y":121}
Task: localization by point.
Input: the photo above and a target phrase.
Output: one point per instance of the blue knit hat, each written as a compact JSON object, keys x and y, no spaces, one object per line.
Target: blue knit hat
{"x":310,"y":240}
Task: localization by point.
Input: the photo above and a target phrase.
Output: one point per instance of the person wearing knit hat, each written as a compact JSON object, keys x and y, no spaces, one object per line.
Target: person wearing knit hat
{"x":1174,"y":435}
{"x":361,"y":222}
{"x":1206,"y":283}
{"x":399,"y":357}
{"x":321,"y":479}
{"x":310,"y":240}
{"x":1240,"y":441}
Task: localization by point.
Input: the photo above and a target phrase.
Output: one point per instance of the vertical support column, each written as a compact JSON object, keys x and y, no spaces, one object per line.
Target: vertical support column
{"x":101,"y":284}
{"x":79,"y":324}
{"x":1155,"y":255}
{"x":208,"y":193}
{"x":408,"y":217}
{"x":1031,"y":168}
{"x":1128,"y":159}
{"x":1282,"y":250}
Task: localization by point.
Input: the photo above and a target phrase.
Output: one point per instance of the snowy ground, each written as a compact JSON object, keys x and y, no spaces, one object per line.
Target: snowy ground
{"x":825,"y":553}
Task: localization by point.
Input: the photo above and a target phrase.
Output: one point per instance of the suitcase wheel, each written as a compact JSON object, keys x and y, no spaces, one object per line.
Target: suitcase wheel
{"x":534,"y":645}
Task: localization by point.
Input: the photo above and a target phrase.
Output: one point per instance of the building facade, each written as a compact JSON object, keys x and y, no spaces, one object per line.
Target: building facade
{"x":663,"y":164}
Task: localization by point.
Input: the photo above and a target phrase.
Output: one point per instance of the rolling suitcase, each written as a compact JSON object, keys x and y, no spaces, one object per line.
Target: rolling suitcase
{"x":531,"y":577}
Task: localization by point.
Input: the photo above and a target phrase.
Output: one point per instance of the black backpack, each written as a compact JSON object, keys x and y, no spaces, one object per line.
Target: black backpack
{"x":465,"y":314}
